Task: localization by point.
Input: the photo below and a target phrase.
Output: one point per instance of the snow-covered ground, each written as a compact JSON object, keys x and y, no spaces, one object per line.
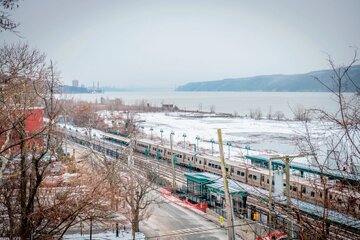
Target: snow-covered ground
{"x":123,"y":235}
{"x":264,"y":136}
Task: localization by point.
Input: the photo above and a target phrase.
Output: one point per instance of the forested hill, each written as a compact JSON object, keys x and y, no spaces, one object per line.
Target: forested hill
{"x":277,"y":83}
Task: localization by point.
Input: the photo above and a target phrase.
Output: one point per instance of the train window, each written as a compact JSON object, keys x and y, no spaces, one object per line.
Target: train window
{"x":254,"y":177}
{"x":294,"y":189}
{"x":304,"y":190}
{"x":321,"y":194}
{"x":284,"y":184}
{"x":262,"y":178}
{"x":339,"y":200}
{"x":290,"y":187}
{"x":209,"y":164}
{"x":238,"y":172}
{"x":200,"y":162}
{"x":242,"y":174}
{"x":330,"y":196}
{"x":250,"y":176}
{"x":267,"y":181}
{"x":312,"y":194}
{"x":227,"y":169}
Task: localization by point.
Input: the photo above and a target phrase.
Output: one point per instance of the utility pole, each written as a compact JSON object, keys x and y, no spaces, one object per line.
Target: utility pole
{"x":229,"y":212}
{"x":288,"y":199}
{"x":173,"y":162}
{"x":287,"y":174}
{"x":270,"y":190}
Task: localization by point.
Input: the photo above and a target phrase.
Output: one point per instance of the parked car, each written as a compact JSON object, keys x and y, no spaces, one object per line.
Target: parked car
{"x":273,"y":236}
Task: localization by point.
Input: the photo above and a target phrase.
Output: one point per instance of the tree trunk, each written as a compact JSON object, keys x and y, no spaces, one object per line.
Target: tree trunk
{"x":135,"y":224}
{"x":24,"y":224}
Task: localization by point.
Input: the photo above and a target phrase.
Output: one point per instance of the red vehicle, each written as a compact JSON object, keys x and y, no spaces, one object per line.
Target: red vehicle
{"x":273,"y":236}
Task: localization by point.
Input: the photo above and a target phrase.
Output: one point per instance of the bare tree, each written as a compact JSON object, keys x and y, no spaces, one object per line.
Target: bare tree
{"x":338,"y":152}
{"x":278,"y":115}
{"x":212,"y":108}
{"x":128,"y":184}
{"x":300,"y":113}
{"x":137,"y":196}
{"x":29,"y":208}
{"x":269,"y":114}
{"x":6,"y":23}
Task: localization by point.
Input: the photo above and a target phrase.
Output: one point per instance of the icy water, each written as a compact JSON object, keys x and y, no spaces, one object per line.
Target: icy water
{"x":225,"y":102}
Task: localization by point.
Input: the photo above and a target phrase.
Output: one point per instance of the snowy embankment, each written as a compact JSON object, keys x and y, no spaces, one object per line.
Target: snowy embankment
{"x":123,"y":235}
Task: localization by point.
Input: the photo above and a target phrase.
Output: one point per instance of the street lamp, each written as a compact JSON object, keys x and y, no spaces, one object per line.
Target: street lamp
{"x":161,"y":132}
{"x":247,"y":147}
{"x":197,"y":143}
{"x":229,"y":145}
{"x":184,"y":136}
{"x":212,"y":146}
{"x":151,"y":130}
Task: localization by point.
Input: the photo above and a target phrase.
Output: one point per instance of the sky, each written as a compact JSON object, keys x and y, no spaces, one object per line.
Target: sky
{"x":162,"y":44}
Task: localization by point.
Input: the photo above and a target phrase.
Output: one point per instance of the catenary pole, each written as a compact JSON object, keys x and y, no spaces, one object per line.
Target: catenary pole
{"x":270,"y":191}
{"x":172,"y":162}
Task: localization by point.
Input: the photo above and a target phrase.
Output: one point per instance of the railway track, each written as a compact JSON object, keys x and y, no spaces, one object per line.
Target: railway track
{"x":163,"y":168}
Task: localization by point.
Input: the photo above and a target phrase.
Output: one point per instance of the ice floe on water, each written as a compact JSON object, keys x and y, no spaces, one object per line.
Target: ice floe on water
{"x":263,"y":135}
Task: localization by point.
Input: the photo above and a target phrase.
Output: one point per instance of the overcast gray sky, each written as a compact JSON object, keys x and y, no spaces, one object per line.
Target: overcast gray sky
{"x":169,"y":43}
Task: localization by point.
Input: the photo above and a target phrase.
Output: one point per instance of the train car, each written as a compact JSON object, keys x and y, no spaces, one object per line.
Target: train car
{"x":300,"y":188}
{"x":240,"y":173}
{"x":123,"y":141}
{"x":212,"y":165}
{"x":254,"y":176}
{"x":142,"y":147}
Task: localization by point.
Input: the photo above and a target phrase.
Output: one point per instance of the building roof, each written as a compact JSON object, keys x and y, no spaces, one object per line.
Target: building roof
{"x":234,"y":189}
{"x":335,"y":174}
{"x":201,"y":177}
{"x":215,"y":183}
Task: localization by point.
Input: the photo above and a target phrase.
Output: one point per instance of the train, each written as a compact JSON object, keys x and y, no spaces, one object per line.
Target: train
{"x":337,"y":197}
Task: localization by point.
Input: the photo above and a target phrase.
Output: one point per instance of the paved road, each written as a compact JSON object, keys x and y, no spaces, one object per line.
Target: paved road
{"x":170,"y":221}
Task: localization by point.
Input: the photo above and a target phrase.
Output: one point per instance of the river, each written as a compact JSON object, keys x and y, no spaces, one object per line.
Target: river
{"x":224,"y":102}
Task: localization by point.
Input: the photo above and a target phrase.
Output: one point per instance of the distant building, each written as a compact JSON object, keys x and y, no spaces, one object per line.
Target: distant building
{"x":75,"y":83}
{"x":169,"y":107}
{"x":82,"y":85}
